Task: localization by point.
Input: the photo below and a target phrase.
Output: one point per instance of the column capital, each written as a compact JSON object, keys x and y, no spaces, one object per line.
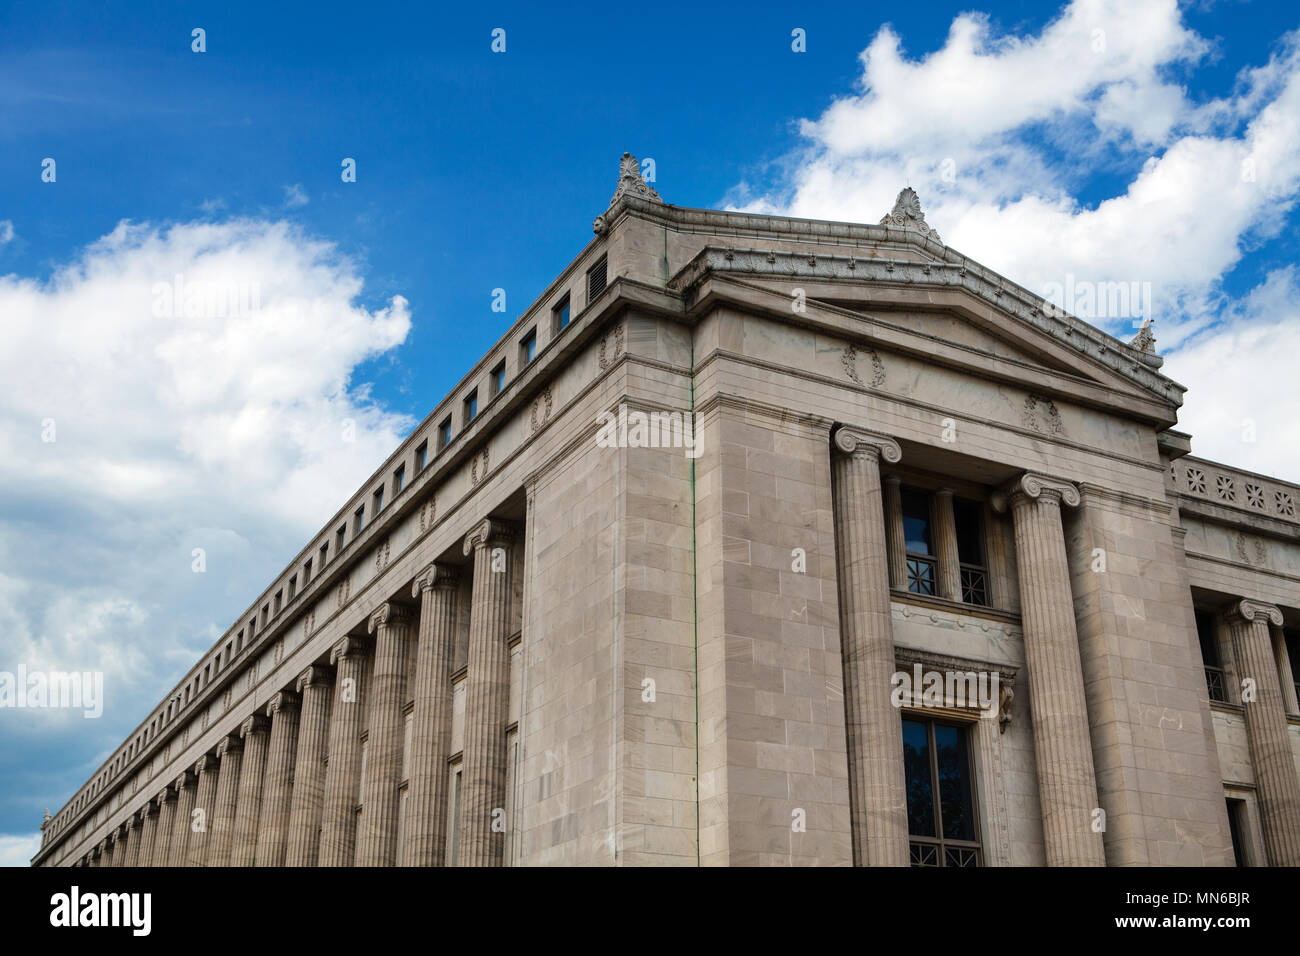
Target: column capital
{"x":183,"y":780}
{"x":316,"y":674}
{"x":436,"y":575}
{"x":349,"y":646}
{"x":204,"y":764}
{"x":164,"y":795}
{"x":859,"y":441}
{"x":1032,"y":486}
{"x":388,"y":613}
{"x":145,"y":811}
{"x":230,"y":744}
{"x":284,"y":700}
{"x":256,"y":724}
{"x":129,"y":825}
{"x":1253,"y":611}
{"x":486,"y":532}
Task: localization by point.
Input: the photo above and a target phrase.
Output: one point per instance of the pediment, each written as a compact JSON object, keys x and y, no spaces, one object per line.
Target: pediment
{"x":955,"y":313}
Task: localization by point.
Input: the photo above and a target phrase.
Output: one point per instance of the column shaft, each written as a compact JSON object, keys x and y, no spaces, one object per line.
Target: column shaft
{"x":1276,"y":786}
{"x":133,"y":845}
{"x":148,"y":830}
{"x":277,"y":792}
{"x":178,"y":855}
{"x":316,"y":685}
{"x":1067,"y":783}
{"x":255,"y":732}
{"x":487,"y":699}
{"x":945,"y":539}
{"x":343,"y":774}
{"x":877,"y":781}
{"x":426,"y":814}
{"x":205,"y":798}
{"x":230,"y":752}
{"x":896,"y":548}
{"x":377,"y":829}
{"x":163,"y":836}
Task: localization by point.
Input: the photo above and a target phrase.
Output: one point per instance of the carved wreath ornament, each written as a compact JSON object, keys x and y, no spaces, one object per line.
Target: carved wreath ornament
{"x":850,"y":361}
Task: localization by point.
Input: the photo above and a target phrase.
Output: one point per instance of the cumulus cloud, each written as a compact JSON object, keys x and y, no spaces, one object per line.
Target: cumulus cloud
{"x":173,"y":388}
{"x":18,"y":850}
{"x":1004,"y":135}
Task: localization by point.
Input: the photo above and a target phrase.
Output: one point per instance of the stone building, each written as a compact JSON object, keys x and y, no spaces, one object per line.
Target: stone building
{"x":755,"y":540}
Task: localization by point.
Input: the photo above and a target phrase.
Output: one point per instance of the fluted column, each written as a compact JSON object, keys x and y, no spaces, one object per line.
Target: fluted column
{"x":166,"y":820}
{"x":487,"y":698}
{"x":1067,"y":782}
{"x":1276,"y":786}
{"x":377,"y":829}
{"x":945,"y":539}
{"x":256,"y":732}
{"x":277,"y":792}
{"x":178,"y":855}
{"x":135,"y":827}
{"x":877,"y":781}
{"x":116,"y":847}
{"x":100,"y":854}
{"x":230,"y":752}
{"x":896,"y":549}
{"x":315,"y":685}
{"x":148,"y":832}
{"x":343,"y":774}
{"x":205,"y":798}
{"x":426,"y":808}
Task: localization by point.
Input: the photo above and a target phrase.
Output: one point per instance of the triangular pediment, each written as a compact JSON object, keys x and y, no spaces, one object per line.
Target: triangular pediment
{"x":955,"y":312}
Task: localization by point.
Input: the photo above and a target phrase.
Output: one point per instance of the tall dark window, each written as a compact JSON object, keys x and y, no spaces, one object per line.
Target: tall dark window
{"x":471,"y":407}
{"x":969,"y":518}
{"x":499,"y":378}
{"x":444,"y":434}
{"x":399,"y":480}
{"x":1237,"y":828}
{"x":940,"y":794}
{"x":920,"y":541}
{"x":1207,"y":633}
{"x":421,"y":456}
{"x":528,"y":348}
{"x":561,"y":314}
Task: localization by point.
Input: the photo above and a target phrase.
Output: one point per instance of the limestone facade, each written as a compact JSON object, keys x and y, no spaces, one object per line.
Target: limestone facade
{"x":548,"y":647}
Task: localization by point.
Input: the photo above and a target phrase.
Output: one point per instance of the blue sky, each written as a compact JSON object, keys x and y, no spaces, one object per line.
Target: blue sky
{"x":1147,"y":142}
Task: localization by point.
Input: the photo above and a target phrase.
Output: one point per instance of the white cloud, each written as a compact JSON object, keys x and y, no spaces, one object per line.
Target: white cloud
{"x":295,"y":196}
{"x":6,"y":231}
{"x":1000,"y":133}
{"x":18,"y":850}
{"x":213,"y":418}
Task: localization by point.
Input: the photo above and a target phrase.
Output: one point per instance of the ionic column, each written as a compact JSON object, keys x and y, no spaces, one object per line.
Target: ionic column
{"x":178,"y":855}
{"x":426,"y":808}
{"x":877,"y":782}
{"x":116,"y":847}
{"x":205,"y":771}
{"x":897,"y":539}
{"x":1067,"y":783}
{"x":135,"y":827}
{"x":148,"y":830}
{"x":100,"y":853}
{"x":487,"y":696}
{"x":377,"y":833}
{"x":256,"y":732}
{"x":1276,"y":786}
{"x":315,"y":685}
{"x":277,"y":792}
{"x":945,"y":539}
{"x":343,"y":774}
{"x":166,"y":820}
{"x":230,"y":752}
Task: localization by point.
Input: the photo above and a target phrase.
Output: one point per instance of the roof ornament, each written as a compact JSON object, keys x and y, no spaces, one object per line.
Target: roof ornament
{"x":630,"y":184}
{"x":1145,"y":340}
{"x":907,"y":214}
